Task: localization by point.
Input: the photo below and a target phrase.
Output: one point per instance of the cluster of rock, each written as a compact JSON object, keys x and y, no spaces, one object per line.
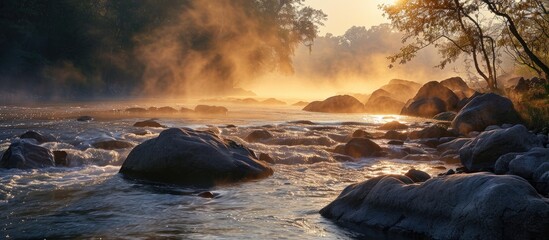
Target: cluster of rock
{"x":245,"y":101}
{"x":199,"y":109}
{"x":503,"y":188}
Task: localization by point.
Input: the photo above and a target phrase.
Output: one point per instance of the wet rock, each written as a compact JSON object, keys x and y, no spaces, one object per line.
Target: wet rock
{"x":148,"y":123}
{"x":394,"y":125}
{"x":302,"y":122}
{"x":445,"y":116}
{"x":258,"y":136}
{"x":189,"y":157}
{"x":112,"y":144}
{"x":60,"y":158}
{"x":430,"y":142}
{"x":359,"y":133}
{"x":362,"y":147}
{"x":455,"y":144}
{"x":459,"y":206}
{"x":392,"y":134}
{"x":206,"y":194}
{"x":136,"y":110}
{"x":417,"y":175}
{"x":483,"y":111}
{"x":395,"y":142}
{"x":343,"y":158}
{"x":340,"y":148}
{"x":532,"y":165}
{"x":84,"y":119}
{"x":336,"y":104}
{"x":433,"y":131}
{"x":266,"y":158}
{"x":37,"y":136}
{"x":205,"y":109}
{"x":431,"y":99}
{"x":26,"y":155}
{"x":383,"y":105}
{"x":482,"y":152}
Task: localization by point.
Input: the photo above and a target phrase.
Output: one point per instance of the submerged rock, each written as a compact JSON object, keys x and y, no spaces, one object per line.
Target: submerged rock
{"x":482,"y":152}
{"x":336,"y":104}
{"x":394,"y":125}
{"x":37,"y":136}
{"x":26,"y":155}
{"x":483,"y":111}
{"x":359,"y":133}
{"x":60,"y":158}
{"x":258,"y":135}
{"x":148,"y":123}
{"x":362,"y":147}
{"x":112,"y":144}
{"x":459,"y":206}
{"x":189,"y":157}
{"x":84,"y":119}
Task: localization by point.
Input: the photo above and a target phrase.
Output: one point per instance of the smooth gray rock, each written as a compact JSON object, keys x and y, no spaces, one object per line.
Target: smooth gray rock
{"x":189,"y":157}
{"x":455,"y":144}
{"x":482,"y":152}
{"x":532,"y":165}
{"x":458,"y":206}
{"x":26,"y":155}
{"x":483,"y":111}
{"x":40,"y":138}
{"x":417,"y":175}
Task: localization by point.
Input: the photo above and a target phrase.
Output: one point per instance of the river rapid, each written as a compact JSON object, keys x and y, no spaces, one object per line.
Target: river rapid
{"x":89,"y":199}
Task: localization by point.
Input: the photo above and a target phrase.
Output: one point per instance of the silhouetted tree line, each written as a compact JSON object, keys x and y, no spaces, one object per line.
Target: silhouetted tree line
{"x":90,"y":48}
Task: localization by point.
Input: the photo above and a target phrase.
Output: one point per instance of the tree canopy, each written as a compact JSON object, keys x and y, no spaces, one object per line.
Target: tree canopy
{"x":476,"y":29}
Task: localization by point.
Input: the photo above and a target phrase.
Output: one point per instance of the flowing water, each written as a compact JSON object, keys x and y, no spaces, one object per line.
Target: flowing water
{"x":90,"y":199}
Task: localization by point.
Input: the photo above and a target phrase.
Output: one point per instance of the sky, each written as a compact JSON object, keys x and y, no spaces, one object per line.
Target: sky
{"x":343,"y":14}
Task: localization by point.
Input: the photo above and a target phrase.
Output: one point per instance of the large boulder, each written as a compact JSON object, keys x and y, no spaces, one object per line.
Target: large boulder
{"x":459,"y":87}
{"x":336,"y":104}
{"x":482,"y":152}
{"x":431,"y":99}
{"x":459,"y":206}
{"x":483,"y":111}
{"x":362,"y":147}
{"x":26,"y":155}
{"x":532,"y":165}
{"x":383,"y":105}
{"x":189,"y":157}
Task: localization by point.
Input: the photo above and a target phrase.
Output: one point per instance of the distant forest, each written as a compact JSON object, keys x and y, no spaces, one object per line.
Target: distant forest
{"x":90,"y":48}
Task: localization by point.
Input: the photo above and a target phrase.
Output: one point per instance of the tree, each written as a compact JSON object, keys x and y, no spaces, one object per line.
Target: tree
{"x":455,"y":27}
{"x":527,"y":32}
